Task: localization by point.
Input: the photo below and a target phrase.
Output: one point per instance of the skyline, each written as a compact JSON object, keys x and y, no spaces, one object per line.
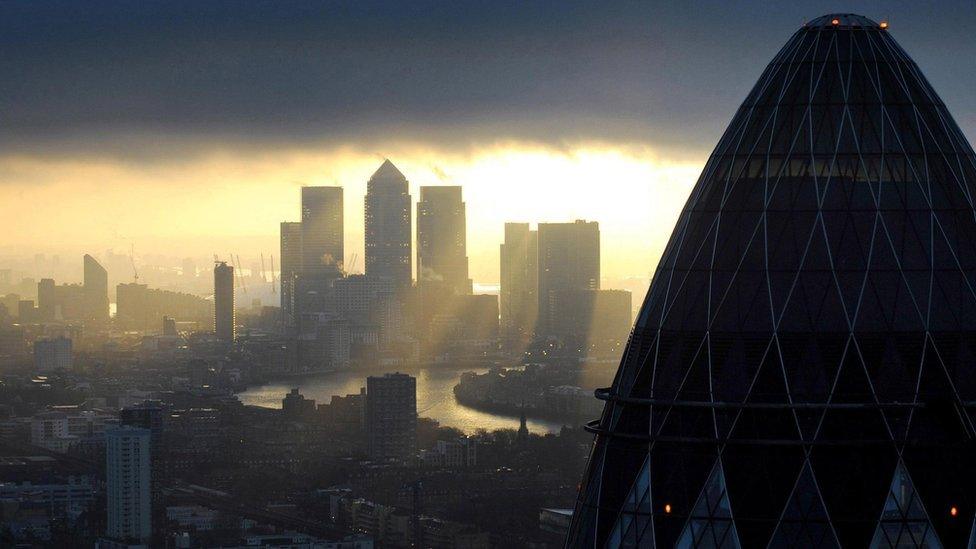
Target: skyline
{"x":489,"y":273}
{"x":640,"y":124}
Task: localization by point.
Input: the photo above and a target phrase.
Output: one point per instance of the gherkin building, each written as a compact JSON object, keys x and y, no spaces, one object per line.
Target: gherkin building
{"x":801,"y":373}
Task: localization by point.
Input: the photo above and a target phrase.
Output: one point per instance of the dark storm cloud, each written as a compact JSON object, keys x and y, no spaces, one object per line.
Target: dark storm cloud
{"x":95,"y":74}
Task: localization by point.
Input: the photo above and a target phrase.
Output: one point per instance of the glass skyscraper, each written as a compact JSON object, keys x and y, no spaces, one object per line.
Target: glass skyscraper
{"x":387,"y":212}
{"x":801,"y":373}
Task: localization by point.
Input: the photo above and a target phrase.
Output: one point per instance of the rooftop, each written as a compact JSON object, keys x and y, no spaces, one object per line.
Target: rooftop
{"x":844,"y":20}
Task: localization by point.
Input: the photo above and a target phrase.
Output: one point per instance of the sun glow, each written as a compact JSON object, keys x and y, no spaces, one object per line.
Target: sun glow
{"x":233,"y":200}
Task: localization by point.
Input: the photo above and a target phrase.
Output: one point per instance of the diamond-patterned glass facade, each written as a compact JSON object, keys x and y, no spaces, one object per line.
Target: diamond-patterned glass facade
{"x":810,"y":332}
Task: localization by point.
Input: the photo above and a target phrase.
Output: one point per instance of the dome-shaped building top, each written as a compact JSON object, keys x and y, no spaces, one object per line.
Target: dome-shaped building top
{"x":801,"y":373}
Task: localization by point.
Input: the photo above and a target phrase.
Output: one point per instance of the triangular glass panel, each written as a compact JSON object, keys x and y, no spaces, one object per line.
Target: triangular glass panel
{"x":904,"y":522}
{"x":804,"y":522}
{"x":710,"y":524}
{"x":636,"y":510}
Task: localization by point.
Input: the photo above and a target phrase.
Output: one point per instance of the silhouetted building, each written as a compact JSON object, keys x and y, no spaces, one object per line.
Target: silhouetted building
{"x":569,"y":259}
{"x":801,"y":371}
{"x":295,"y":406}
{"x":26,"y":311}
{"x":128,"y":484}
{"x":391,"y":416}
{"x":224,"y":320}
{"x":46,"y":299}
{"x":64,"y":302}
{"x":518,"y":299}
{"x":142,"y":308}
{"x":323,"y":343}
{"x":291,"y":268}
{"x":322,"y":232}
{"x":52,"y":354}
{"x":96,"y":290}
{"x":388,"y":226}
{"x":442,"y":238}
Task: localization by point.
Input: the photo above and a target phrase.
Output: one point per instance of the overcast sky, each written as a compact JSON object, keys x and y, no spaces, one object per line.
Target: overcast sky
{"x":89,"y":74}
{"x":186,"y":128}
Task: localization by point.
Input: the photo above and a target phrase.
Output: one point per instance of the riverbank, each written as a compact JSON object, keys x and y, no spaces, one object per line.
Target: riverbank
{"x":435,"y":396}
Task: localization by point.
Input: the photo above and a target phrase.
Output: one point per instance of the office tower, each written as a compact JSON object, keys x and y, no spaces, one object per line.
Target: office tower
{"x":96,"y":290}
{"x":224,"y":321}
{"x":52,"y":354}
{"x":357,"y":298}
{"x":800,"y":373}
{"x":569,"y":259}
{"x":291,"y":268}
{"x":442,"y":238}
{"x":391,"y":416}
{"x":518,"y":297}
{"x":128,"y":484}
{"x":322,"y":232}
{"x":46,"y":299}
{"x":388,"y":226}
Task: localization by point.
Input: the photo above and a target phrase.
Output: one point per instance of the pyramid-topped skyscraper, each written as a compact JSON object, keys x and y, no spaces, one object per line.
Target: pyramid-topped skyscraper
{"x":388,"y":223}
{"x":803,"y":369}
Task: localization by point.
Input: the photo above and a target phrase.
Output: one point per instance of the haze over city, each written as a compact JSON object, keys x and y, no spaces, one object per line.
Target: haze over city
{"x":487,"y":274}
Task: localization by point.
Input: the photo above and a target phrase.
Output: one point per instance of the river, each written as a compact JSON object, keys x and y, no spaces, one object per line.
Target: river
{"x":435,"y":398}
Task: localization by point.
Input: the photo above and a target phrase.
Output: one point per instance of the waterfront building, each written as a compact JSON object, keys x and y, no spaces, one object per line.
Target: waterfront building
{"x":569,"y":259}
{"x":518,"y":298}
{"x":322,"y":242}
{"x":391,"y":416}
{"x":225,"y":326}
{"x":801,"y":373}
{"x":291,"y":267}
{"x":388,"y":226}
{"x":128,"y":480}
{"x":296,"y":407}
{"x":323,"y":343}
{"x":442,"y":238}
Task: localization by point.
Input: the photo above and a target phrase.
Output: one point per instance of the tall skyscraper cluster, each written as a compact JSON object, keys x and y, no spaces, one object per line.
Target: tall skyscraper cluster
{"x":550,"y":280}
{"x":381,"y":311}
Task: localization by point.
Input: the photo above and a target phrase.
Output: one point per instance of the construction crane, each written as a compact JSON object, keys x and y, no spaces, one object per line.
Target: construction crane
{"x":352,"y":264}
{"x":273,"y":284}
{"x":240,"y":272}
{"x":132,"y":260}
{"x":263,"y":279}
